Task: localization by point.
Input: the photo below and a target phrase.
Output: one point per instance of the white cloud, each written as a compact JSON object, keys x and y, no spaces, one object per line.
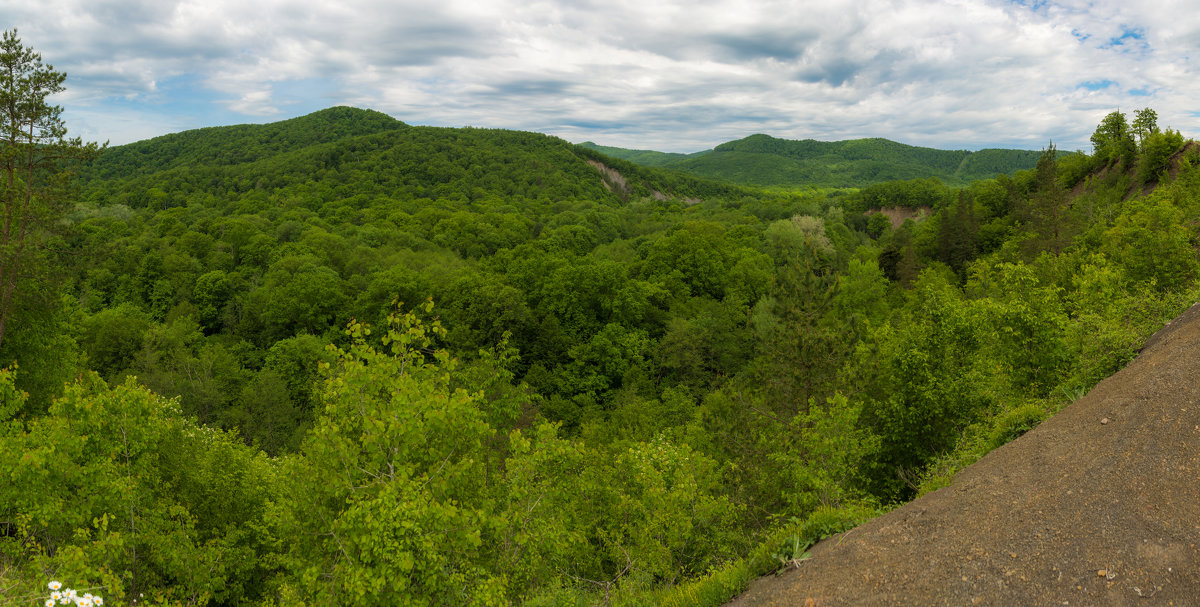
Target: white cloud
{"x":669,"y":75}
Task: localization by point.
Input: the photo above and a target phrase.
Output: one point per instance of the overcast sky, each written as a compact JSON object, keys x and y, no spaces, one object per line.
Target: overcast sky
{"x":652,"y":74}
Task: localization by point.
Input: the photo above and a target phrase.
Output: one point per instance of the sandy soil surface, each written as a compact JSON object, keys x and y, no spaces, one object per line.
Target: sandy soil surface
{"x":1099,"y":505}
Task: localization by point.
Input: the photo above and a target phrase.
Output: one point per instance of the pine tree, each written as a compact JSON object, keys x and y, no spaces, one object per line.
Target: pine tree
{"x":958,"y":234}
{"x":35,"y":156}
{"x":1047,"y":214}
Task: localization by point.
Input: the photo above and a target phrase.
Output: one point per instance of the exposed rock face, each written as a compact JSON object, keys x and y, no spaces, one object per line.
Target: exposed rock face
{"x":897,"y":215}
{"x":611,"y":178}
{"x":1075,"y":512}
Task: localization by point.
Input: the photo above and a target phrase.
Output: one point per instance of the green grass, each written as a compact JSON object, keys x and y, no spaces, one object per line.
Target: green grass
{"x":722,"y":584}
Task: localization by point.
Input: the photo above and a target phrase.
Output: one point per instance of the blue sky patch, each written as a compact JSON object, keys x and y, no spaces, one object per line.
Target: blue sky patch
{"x":1130,"y":37}
{"x":1033,"y":5}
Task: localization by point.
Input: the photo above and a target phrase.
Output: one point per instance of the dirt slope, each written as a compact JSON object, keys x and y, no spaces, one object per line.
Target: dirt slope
{"x":1075,"y":512}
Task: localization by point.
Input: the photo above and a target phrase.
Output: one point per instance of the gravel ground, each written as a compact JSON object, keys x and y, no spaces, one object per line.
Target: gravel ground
{"x":1099,"y":505}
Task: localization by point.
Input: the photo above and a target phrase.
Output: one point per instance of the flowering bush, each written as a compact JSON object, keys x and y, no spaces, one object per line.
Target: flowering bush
{"x":58,"y":596}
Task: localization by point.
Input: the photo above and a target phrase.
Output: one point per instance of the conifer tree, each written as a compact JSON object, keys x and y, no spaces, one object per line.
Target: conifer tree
{"x":35,"y":155}
{"x":1047,"y":215}
{"x":958,"y":234}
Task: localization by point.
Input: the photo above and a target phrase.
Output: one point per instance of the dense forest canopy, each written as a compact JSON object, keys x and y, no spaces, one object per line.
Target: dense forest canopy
{"x":763,"y":160}
{"x":344,"y":360}
{"x":642,"y":157}
{"x":223,"y":146}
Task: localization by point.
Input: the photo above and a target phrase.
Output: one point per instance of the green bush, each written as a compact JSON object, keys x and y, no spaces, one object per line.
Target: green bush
{"x":721,"y":584}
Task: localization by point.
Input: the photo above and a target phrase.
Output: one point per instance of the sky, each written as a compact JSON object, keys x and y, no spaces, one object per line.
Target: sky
{"x":669,"y":75}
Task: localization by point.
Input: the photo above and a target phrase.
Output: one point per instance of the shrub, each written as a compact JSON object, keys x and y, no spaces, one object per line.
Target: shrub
{"x":1013,"y":423}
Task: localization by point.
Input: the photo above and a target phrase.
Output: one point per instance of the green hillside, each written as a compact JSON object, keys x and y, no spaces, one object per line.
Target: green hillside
{"x":339,"y":360}
{"x":231,"y":145}
{"x":763,"y":160}
{"x":642,"y":157}
{"x":346,"y":152}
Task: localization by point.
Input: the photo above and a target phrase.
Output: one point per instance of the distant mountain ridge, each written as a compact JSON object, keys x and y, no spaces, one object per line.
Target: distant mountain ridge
{"x":425,"y":161}
{"x":239,"y":144}
{"x":342,"y":152}
{"x":643,"y":157}
{"x":763,"y":160}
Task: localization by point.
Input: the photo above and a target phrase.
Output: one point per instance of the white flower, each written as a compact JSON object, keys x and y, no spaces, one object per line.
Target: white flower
{"x":84,"y":602}
{"x":54,"y":585}
{"x":49,"y":602}
{"x":98,"y":601}
{"x":56,"y":595}
{"x":71,"y":594}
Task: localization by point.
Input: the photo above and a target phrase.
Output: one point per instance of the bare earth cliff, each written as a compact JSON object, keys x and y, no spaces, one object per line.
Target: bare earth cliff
{"x":1099,"y":505}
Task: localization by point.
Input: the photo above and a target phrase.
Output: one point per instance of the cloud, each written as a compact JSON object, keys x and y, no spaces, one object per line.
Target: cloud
{"x":751,"y":46}
{"x":671,"y":75}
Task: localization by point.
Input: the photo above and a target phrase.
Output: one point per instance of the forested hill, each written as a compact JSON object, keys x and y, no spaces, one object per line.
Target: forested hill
{"x":346,"y":152}
{"x":769,"y":161}
{"x":648,"y":158}
{"x":230,"y":145}
{"x":369,"y":364}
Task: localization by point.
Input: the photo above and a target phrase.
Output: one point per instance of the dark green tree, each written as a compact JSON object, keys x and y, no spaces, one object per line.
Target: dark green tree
{"x":1046,"y":215}
{"x":898,"y":259}
{"x":35,"y":156}
{"x":958,"y":234}
{"x":803,"y":339}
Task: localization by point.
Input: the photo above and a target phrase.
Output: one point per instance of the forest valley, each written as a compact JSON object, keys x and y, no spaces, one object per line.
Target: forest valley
{"x":342,"y":360}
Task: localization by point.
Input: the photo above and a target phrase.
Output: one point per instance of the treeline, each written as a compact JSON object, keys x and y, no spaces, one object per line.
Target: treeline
{"x":442,"y":366}
{"x":1125,"y":156}
{"x":1140,"y":144}
{"x":649,"y":158}
{"x":763,"y":160}
{"x":409,"y":163}
{"x":232,"y":145}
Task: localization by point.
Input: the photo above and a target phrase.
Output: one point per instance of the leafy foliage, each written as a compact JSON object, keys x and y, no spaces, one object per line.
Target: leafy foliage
{"x":404,"y":450}
{"x":636,"y":386}
{"x":114,"y":486}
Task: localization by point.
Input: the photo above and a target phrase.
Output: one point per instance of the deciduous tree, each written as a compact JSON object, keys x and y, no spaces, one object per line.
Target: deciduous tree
{"x":1112,"y":140}
{"x":1145,"y":123}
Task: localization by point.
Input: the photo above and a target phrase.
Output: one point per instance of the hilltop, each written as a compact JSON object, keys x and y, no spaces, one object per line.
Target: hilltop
{"x":648,"y":158}
{"x":342,"y":152}
{"x":1097,"y":505}
{"x":763,"y":160}
{"x":238,"y":144}
{"x":349,"y":138}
